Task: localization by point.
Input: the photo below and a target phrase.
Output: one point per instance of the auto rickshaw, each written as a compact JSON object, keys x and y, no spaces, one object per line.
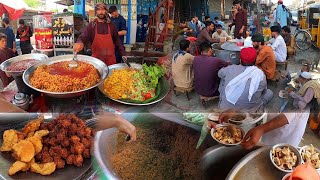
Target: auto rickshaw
{"x":309,"y":32}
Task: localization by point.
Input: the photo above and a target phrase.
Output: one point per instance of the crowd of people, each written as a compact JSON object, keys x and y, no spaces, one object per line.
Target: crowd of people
{"x":244,"y":87}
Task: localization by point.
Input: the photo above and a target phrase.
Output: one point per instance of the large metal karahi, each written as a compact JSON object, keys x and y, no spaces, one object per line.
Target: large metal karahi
{"x":162,"y":81}
{"x":227,"y":51}
{"x":98,"y":64}
{"x":8,"y":62}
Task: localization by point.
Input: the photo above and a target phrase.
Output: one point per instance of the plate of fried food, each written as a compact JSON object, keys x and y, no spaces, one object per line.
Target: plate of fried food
{"x":228,"y":134}
{"x":311,"y":155}
{"x":51,"y":149}
{"x":285,"y":157}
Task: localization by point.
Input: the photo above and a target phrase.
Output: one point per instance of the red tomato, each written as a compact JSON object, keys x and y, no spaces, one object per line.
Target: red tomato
{"x":147,"y":96}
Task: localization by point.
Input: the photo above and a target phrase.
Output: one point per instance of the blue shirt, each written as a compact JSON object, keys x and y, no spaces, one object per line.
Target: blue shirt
{"x":10,"y":37}
{"x":121,"y":25}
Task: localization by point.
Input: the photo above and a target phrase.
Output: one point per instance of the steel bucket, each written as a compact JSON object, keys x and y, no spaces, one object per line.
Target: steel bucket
{"x":226,"y":55}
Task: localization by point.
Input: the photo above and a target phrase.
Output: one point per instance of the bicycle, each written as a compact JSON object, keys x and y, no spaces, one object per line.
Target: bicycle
{"x":303,"y":39}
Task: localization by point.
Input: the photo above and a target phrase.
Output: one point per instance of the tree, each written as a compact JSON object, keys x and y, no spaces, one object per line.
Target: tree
{"x":32,"y":3}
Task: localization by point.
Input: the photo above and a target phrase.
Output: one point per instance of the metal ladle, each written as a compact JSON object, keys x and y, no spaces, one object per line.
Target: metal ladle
{"x":73,"y":63}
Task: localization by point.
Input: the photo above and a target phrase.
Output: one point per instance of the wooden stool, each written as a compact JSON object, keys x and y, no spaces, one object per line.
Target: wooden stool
{"x":185,"y":91}
{"x":204,"y":99}
{"x":285,"y":63}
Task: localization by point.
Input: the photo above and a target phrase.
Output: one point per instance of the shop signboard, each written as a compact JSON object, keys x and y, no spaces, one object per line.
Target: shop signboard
{"x":43,"y":38}
{"x":63,"y":31}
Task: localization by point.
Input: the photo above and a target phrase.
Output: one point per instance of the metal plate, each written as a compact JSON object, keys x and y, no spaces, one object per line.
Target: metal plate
{"x":67,"y":173}
{"x":8,"y":62}
{"x":162,"y":81}
{"x":256,"y":165}
{"x":99,"y":65}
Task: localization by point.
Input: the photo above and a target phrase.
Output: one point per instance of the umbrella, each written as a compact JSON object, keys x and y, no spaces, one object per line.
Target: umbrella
{"x":14,"y":8}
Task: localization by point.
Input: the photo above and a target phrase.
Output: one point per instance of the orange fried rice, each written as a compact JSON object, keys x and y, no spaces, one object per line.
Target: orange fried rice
{"x":58,"y":77}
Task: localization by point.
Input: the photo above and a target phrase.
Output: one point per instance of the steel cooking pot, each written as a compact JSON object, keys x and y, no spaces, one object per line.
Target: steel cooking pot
{"x":226,"y":55}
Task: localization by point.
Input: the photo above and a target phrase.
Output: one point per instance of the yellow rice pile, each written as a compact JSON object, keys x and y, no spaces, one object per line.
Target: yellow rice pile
{"x":42,"y":79}
{"x":119,"y":83}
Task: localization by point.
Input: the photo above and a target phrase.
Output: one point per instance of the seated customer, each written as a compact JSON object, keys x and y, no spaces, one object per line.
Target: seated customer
{"x":182,"y":72}
{"x":265,"y":60}
{"x":244,"y":86}
{"x":277,"y":44}
{"x":5,"y":53}
{"x":286,"y":34}
{"x":206,"y":34}
{"x":206,"y":67}
{"x":220,"y":34}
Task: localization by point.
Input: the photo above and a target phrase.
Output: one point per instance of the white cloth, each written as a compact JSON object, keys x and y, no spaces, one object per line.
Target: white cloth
{"x":291,"y":133}
{"x":235,"y":87}
{"x":279,"y":48}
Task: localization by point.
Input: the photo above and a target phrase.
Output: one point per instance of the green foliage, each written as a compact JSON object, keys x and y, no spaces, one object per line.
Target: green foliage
{"x":154,"y":72}
{"x":32,"y":3}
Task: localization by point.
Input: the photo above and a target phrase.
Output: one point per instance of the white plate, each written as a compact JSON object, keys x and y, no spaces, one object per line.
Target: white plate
{"x":283,"y":94}
{"x":214,"y":116}
{"x":225,"y":125}
{"x":304,"y":147}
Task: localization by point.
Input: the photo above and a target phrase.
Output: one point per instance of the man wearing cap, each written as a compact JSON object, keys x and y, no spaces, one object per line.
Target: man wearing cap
{"x":281,"y":14}
{"x":239,"y":19}
{"x":103,"y":35}
{"x":309,"y":89}
{"x":265,"y":60}
{"x":244,"y":86}
{"x":121,"y":25}
{"x":206,"y":67}
{"x":278,"y":44}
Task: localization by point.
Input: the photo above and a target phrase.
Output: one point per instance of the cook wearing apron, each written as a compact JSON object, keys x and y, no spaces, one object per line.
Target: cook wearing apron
{"x":103,"y":36}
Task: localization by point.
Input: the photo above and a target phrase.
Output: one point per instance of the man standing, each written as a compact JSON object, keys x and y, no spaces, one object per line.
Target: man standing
{"x":24,"y":33}
{"x":266,"y":60}
{"x":121,"y":25}
{"x":244,"y":86}
{"x":206,"y":34}
{"x":206,"y":67}
{"x":182,"y":71}
{"x":239,"y":19}
{"x":277,"y":44}
{"x":11,"y":39}
{"x":281,"y":14}
{"x":103,"y":35}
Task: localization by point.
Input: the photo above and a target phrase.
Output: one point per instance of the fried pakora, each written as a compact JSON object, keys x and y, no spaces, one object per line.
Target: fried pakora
{"x":23,"y":150}
{"x":32,"y":126}
{"x":43,"y":169}
{"x":17,"y":166}
{"x":36,"y":141}
{"x":10,"y":137}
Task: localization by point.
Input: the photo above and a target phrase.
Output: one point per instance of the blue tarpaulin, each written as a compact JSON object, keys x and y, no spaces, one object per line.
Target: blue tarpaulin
{"x":79,"y":7}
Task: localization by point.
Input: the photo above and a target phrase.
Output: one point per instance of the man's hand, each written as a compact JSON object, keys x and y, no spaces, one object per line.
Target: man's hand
{"x":252,"y":138}
{"x":211,"y":125}
{"x":14,"y":50}
{"x":125,"y":59}
{"x":126,"y":127}
{"x":241,"y":31}
{"x":77,"y":47}
{"x":226,"y":115}
{"x":185,"y":29}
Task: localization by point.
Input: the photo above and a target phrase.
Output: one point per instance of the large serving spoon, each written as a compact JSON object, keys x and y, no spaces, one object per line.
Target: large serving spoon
{"x":73,"y":63}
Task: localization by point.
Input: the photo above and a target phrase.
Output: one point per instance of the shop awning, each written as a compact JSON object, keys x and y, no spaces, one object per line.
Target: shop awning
{"x":65,"y":2}
{"x":14,"y":8}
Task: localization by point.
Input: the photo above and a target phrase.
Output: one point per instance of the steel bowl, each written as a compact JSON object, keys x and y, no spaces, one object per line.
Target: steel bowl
{"x":229,"y":54}
{"x":98,"y":64}
{"x":293,"y":149}
{"x":213,"y":130}
{"x":303,"y":148}
{"x":162,"y":81}
{"x":8,"y":62}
